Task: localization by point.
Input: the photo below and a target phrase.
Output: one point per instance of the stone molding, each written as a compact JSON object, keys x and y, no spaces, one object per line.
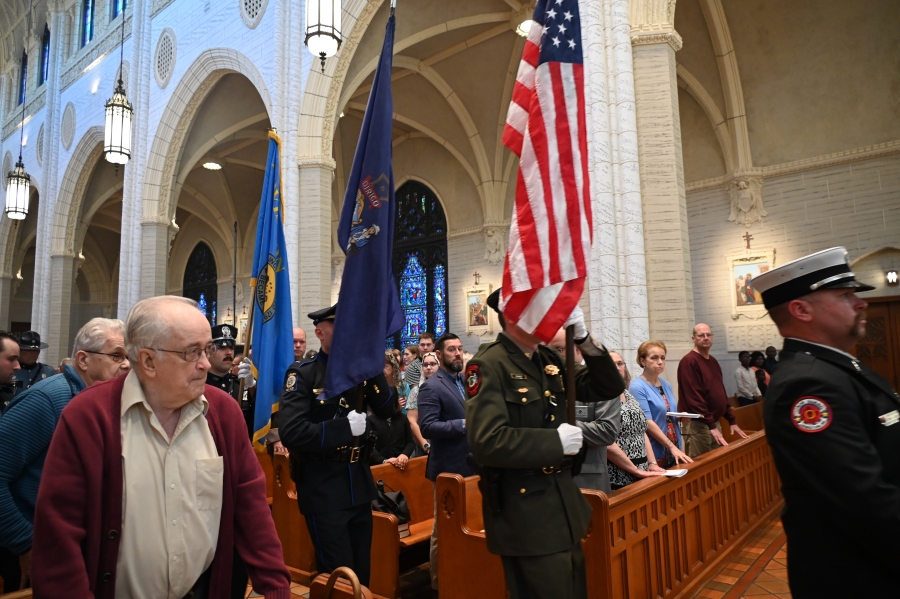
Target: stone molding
{"x":249,"y":20}
{"x":14,"y":119}
{"x":163,"y":78}
{"x":671,"y":37}
{"x":94,"y":51}
{"x":67,"y":126}
{"x":71,"y":191}
{"x":741,"y":336}
{"x":316,"y":162}
{"x":797,"y":166}
{"x":158,"y":5}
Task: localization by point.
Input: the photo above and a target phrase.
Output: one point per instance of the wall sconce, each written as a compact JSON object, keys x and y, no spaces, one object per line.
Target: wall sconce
{"x":892,"y":278}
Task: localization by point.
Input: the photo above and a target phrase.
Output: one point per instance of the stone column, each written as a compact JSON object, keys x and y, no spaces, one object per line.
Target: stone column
{"x":62,"y":278}
{"x":312,"y":275}
{"x":6,"y":285}
{"x":617,"y":284}
{"x":154,"y":258}
{"x":670,"y":289}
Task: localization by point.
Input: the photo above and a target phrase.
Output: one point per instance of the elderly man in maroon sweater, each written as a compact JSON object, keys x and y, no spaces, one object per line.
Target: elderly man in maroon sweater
{"x":150,"y":486}
{"x":701,"y":390}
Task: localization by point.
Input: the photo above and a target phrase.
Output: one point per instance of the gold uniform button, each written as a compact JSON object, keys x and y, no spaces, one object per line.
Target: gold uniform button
{"x":524,"y":399}
{"x":546,"y":394}
{"x":521,"y":490}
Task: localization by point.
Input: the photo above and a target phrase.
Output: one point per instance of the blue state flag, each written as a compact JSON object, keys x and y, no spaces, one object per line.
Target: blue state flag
{"x":369,"y":305}
{"x":272,"y":335}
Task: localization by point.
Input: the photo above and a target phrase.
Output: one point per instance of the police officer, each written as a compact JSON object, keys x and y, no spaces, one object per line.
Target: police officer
{"x":219,"y":374}
{"x":834,"y":428}
{"x":534,"y":513}
{"x":328,"y":444}
{"x":31,"y":371}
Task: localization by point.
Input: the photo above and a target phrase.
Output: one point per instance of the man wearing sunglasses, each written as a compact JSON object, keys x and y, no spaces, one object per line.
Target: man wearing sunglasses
{"x":28,"y":425}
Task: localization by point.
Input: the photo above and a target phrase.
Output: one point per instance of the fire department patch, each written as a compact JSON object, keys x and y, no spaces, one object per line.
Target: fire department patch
{"x":811,"y":414}
{"x":291,"y":383}
{"x":473,"y":379}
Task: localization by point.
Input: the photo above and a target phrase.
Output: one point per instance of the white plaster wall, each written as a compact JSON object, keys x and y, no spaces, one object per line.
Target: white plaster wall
{"x":853,"y":205}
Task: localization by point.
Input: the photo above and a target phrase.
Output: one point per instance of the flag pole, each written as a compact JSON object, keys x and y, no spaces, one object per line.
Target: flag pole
{"x":234,"y":278}
{"x":570,"y":374}
{"x":249,"y":338}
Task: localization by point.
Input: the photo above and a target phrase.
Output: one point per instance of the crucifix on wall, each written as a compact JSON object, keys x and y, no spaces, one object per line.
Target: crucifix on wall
{"x":747,"y":237}
{"x":477,"y":277}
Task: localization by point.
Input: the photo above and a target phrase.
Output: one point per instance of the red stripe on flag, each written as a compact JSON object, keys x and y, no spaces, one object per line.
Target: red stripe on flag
{"x":578,"y":69}
{"x":513,"y":140}
{"x":528,"y":234}
{"x":556,"y":317}
{"x":531,"y":53}
{"x":522,"y":96}
{"x":543,"y":154}
{"x":567,"y":167}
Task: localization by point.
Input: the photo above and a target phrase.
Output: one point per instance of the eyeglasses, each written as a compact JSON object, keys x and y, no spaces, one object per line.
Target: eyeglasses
{"x":704,"y":335}
{"x":117,"y":357}
{"x":429,"y":364}
{"x":191,"y":354}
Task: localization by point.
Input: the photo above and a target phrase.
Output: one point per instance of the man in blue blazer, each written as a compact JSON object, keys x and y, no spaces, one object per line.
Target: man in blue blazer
{"x":442,"y":419}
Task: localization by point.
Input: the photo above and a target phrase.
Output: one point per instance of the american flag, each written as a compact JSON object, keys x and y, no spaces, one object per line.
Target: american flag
{"x":550,"y":234}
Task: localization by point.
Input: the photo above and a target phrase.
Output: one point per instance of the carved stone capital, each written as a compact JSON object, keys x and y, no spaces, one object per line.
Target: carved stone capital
{"x":173,"y":229}
{"x":668,"y":35}
{"x":317,"y":162}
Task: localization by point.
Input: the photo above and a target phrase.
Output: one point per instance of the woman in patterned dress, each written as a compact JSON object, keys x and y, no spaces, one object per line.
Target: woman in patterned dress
{"x":626,"y":459}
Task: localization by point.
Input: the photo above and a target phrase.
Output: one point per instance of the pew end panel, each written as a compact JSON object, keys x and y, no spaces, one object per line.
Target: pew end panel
{"x":299,"y":554}
{"x":669,"y":535}
{"x":384,"y":577}
{"x":596,"y":546}
{"x":466,"y":568}
{"x":266,"y":462}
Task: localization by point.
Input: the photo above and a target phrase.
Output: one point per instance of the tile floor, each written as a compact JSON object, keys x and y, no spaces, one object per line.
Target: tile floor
{"x":758,"y":571}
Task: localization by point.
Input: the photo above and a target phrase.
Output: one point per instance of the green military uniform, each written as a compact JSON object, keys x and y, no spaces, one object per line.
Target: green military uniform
{"x":516,"y":402}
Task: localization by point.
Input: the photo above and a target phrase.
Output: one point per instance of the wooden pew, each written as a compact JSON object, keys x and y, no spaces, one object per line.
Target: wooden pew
{"x":266,"y":463}
{"x":658,"y":537}
{"x":388,"y":549}
{"x":299,"y":555}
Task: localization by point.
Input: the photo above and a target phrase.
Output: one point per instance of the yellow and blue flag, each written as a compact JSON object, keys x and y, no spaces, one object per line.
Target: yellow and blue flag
{"x":368,"y":310}
{"x":272,"y":335}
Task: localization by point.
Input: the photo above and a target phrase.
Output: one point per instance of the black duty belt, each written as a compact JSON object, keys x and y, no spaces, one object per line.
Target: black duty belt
{"x":566,"y":463}
{"x":343,"y":454}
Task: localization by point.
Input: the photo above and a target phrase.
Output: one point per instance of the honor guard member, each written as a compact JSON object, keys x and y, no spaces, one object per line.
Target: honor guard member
{"x":329,"y":446}
{"x":834,"y":428}
{"x":534,"y":513}
{"x":31,"y":371}
{"x":219,"y":374}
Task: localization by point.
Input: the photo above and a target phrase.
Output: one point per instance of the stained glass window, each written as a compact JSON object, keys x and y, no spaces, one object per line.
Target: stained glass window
{"x":87,"y":22}
{"x":45,"y":56}
{"x":23,"y":77}
{"x":420,"y":259}
{"x":200,"y":281}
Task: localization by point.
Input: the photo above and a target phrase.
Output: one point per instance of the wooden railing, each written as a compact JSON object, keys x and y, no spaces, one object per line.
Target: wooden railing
{"x":659,"y":537}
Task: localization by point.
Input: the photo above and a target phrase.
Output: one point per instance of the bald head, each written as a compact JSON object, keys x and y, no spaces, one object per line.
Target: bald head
{"x":702,"y":336}
{"x":299,"y":343}
{"x":559,"y":343}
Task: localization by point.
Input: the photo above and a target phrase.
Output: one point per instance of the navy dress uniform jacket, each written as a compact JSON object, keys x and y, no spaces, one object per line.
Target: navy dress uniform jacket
{"x":834,"y":428}
{"x":311,"y":430}
{"x":442,"y":410}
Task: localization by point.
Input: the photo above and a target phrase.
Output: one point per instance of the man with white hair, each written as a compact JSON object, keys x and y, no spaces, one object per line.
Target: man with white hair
{"x":30,"y":420}
{"x":151,"y":487}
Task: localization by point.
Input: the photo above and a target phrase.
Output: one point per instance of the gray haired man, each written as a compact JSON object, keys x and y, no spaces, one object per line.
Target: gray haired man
{"x":28,"y":425}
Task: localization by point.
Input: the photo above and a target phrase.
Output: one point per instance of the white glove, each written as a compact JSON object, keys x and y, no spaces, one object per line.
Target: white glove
{"x":357,"y":423}
{"x":246,"y":375}
{"x":577,"y":319}
{"x":571,"y":438}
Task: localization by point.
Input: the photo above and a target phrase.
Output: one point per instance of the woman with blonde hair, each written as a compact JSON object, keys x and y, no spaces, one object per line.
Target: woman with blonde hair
{"x":656,"y":398}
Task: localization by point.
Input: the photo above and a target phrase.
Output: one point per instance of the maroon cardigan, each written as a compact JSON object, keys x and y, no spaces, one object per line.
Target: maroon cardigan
{"x":78,"y":515}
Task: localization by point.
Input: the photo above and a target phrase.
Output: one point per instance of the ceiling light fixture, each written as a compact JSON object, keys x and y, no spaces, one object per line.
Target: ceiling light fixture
{"x":323,"y":28}
{"x":892,"y":278}
{"x":18,"y":182}
{"x":212,"y":165}
{"x":524,"y":27}
{"x":117,"y":134}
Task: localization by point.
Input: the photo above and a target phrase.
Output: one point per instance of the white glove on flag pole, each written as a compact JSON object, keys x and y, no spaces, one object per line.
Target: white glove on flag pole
{"x":550,"y":233}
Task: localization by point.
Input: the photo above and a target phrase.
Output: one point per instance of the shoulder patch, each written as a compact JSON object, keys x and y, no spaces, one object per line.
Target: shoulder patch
{"x":811,"y":414}
{"x":291,"y":383}
{"x":473,"y":379}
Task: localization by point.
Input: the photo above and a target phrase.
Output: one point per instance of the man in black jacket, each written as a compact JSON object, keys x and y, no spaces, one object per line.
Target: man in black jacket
{"x":834,"y":428}
{"x":329,"y":445}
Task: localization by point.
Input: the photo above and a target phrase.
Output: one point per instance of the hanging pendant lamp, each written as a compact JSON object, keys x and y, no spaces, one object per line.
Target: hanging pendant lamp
{"x":323,"y":28}
{"x":117,"y":135}
{"x":18,"y":182}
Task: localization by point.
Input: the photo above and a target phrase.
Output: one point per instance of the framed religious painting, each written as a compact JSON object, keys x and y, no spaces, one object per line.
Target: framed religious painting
{"x":479,"y":320}
{"x":743,"y":268}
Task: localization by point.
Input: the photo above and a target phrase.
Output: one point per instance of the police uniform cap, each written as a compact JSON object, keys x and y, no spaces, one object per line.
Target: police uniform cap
{"x":224,"y":334}
{"x":323,"y":314}
{"x":31,"y":340}
{"x":828,"y":269}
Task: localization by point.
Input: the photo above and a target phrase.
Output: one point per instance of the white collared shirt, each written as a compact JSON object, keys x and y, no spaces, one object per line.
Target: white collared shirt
{"x":171,"y":499}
